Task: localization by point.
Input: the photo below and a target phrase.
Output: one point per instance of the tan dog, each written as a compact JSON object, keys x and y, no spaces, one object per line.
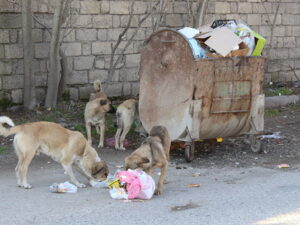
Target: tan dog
{"x":127,"y":112}
{"x":64,"y":146}
{"x":98,"y":91}
{"x":95,"y":114}
{"x":153,"y":153}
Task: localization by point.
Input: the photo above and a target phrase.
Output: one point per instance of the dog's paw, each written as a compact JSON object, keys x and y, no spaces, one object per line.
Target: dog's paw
{"x":122,"y":149}
{"x":27,"y":186}
{"x":100,"y":145}
{"x":157,"y":191}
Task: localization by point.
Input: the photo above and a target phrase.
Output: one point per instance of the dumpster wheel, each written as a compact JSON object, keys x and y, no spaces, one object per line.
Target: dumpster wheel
{"x":189,"y":150}
{"x":256,"y":144}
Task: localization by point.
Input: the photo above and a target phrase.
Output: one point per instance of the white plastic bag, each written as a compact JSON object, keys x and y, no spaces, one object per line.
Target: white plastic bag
{"x":65,"y":187}
{"x":118,"y":193}
{"x":104,"y":183}
{"x":147,"y":182}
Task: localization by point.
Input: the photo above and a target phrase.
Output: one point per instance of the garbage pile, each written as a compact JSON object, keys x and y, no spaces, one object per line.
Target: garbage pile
{"x":224,"y":38}
{"x":130,"y":184}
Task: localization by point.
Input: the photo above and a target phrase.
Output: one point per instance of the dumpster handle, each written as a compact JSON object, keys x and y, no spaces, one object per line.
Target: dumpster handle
{"x":168,"y":41}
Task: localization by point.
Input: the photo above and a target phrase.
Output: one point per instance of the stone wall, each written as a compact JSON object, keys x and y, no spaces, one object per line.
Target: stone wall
{"x":97,"y":24}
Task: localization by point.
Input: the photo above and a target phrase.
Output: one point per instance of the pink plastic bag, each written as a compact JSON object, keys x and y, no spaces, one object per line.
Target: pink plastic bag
{"x":138,"y":183}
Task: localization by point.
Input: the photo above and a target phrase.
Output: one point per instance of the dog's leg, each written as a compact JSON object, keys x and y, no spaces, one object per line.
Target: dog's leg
{"x":125,"y":131}
{"x":117,"y":138}
{"x":102,"y":133}
{"x":150,"y":171}
{"x":22,"y":168}
{"x":88,"y":127}
{"x":161,"y":180}
{"x":69,"y":171}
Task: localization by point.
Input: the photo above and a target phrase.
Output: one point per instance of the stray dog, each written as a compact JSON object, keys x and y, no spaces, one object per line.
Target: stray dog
{"x":64,"y":146}
{"x":95,"y":114}
{"x":127,"y":112}
{"x":98,"y":91}
{"x":153,"y":153}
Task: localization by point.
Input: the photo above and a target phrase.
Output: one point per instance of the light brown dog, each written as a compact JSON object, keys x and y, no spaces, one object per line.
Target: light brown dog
{"x":95,"y":114}
{"x":153,"y":153}
{"x":127,"y":112}
{"x":64,"y":146}
{"x":98,"y":91}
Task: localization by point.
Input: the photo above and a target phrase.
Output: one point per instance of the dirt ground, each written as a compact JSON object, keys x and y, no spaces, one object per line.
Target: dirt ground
{"x":232,"y":152}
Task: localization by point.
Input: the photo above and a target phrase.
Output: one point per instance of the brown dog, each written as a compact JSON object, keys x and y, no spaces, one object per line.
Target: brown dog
{"x":95,"y":114}
{"x":64,"y":146}
{"x":153,"y":153}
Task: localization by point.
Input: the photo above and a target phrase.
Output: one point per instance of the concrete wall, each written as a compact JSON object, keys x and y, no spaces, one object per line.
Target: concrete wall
{"x":97,"y":24}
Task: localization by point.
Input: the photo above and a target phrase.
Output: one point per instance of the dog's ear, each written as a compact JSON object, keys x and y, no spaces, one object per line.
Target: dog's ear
{"x":103,"y":102}
{"x":99,"y":167}
{"x":144,"y":160}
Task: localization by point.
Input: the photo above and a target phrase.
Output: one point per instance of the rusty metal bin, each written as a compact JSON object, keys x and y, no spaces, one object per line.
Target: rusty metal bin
{"x":199,"y":98}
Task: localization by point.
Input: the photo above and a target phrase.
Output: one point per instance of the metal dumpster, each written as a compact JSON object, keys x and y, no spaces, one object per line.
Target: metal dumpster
{"x":199,"y":98}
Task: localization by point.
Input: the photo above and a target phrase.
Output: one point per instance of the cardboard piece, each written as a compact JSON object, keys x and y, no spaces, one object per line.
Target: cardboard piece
{"x":240,"y":52}
{"x":259,"y":44}
{"x":223,"y":41}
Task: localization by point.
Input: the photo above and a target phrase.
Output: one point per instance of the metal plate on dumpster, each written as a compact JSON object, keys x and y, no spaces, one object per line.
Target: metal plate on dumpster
{"x":231,"y":96}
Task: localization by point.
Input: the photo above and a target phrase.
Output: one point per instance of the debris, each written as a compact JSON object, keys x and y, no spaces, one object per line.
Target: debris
{"x":119,"y":166}
{"x":110,"y":142}
{"x":194,"y":185}
{"x":133,"y":200}
{"x":196,"y":174}
{"x":118,"y":193}
{"x":103,"y":184}
{"x":275,"y":135}
{"x":281,"y":166}
{"x":65,"y":187}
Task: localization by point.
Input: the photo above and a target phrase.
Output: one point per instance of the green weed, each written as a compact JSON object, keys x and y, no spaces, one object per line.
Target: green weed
{"x":280,"y":91}
{"x":272,"y":112}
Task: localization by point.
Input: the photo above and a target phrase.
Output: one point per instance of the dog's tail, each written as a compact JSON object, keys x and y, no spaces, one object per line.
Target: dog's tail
{"x":4,"y":130}
{"x":120,"y":124}
{"x":163,"y":134}
{"x":97,"y":85}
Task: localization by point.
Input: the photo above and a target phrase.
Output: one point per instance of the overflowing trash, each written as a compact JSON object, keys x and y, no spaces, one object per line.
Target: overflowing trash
{"x":224,"y":38}
{"x":65,"y":187}
{"x":130,"y":184}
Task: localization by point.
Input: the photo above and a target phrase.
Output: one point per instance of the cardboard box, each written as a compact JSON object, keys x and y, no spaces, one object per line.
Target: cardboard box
{"x":240,"y":52}
{"x":221,"y":39}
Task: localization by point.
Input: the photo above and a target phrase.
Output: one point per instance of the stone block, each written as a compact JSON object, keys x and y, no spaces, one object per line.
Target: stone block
{"x":180,"y":7}
{"x":83,"y":21}
{"x":40,"y":94}
{"x":126,"y":89}
{"x":292,"y":8}
{"x":268,"y":19}
{"x":102,"y":21}
{"x":4,"y":36}
{"x":84,"y":92}
{"x":222,"y":7}
{"x":119,"y":7}
{"x":135,"y":88}
{"x":86,"y":35}
{"x":279,"y":53}
{"x":279,"y":31}
{"x":68,"y":35}
{"x":73,"y":94}
{"x":10,"y":20}
{"x":41,"y":80}
{"x":104,"y":7}
{"x":86,"y":48}
{"x":71,"y":49}
{"x":78,"y":77}
{"x":129,"y":74}
{"x":100,"y":48}
{"x":258,"y":8}
{"x":12,"y":82}
{"x":296,"y":31}
{"x":13,"y":51}
{"x":18,"y":66}
{"x":17,"y":96}
{"x":114,"y":89}
{"x":113,"y":34}
{"x":37,"y":35}
{"x":5,"y":67}
{"x":89,"y":7}
{"x":254,"y":19}
{"x":148,"y":22}
{"x":101,"y":75}
{"x":244,"y":7}
{"x":132,"y":60}
{"x":41,"y":50}
{"x":294,"y":53}
{"x":102,"y":34}
{"x":2,"y":52}
{"x":291,"y":19}
{"x":9,"y":6}
{"x":139,"y":7}
{"x":174,"y":20}
{"x":99,"y":63}
{"x":116,"y":21}
{"x":84,"y":62}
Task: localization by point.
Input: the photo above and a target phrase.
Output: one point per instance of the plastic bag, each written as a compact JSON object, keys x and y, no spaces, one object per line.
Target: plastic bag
{"x":65,"y":187}
{"x":103,"y":184}
{"x":118,"y":193}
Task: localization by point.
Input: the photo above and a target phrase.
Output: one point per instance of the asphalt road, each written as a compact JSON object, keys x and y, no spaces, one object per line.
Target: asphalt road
{"x":227,"y":196}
